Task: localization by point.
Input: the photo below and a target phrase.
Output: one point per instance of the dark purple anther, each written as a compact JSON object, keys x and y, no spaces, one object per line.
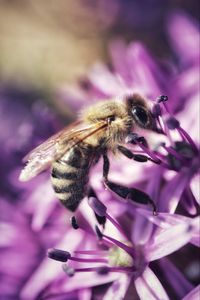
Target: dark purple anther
{"x":98,"y":207}
{"x":162,"y":98}
{"x":74,"y":223}
{"x":172,"y":123}
{"x":59,"y":255}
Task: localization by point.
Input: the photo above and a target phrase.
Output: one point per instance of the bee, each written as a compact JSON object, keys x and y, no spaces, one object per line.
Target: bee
{"x":72,"y":152}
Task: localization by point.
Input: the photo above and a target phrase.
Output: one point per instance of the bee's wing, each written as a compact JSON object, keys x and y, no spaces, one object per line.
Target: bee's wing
{"x":55,"y":147}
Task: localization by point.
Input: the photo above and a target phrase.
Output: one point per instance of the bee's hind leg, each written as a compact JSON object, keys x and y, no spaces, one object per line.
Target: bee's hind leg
{"x":123,"y":191}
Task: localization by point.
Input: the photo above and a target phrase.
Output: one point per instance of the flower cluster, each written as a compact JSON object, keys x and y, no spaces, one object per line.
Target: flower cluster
{"x":152,"y":237}
{"x":113,"y":248}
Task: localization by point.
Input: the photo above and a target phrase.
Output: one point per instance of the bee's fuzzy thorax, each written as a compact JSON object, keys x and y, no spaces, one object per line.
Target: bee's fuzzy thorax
{"x":118,"y":128}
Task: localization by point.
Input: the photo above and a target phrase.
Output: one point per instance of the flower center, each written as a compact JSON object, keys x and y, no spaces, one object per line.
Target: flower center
{"x":118,"y":257}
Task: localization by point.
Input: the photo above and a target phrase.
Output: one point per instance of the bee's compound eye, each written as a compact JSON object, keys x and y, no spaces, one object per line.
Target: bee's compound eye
{"x":140,"y":115}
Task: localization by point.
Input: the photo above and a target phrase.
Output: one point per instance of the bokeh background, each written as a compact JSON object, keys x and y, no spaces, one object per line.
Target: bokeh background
{"x":46,"y":47}
{"x":44,"y":44}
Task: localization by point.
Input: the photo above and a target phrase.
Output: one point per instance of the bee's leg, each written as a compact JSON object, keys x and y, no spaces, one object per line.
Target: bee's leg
{"x":123,"y":191}
{"x":106,"y":167}
{"x":137,"y":157}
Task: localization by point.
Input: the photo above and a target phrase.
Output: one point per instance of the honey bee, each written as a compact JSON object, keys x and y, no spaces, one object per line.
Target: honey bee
{"x":72,"y":152}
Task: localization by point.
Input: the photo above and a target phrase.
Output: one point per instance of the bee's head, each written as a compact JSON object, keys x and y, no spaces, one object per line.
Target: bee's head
{"x":139,"y":111}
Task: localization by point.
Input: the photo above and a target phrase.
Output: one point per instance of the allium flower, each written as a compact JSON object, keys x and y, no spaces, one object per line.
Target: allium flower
{"x":130,"y":245}
{"x":125,"y":252}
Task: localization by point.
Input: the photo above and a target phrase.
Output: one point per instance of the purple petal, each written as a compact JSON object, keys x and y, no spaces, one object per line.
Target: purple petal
{"x":176,"y":279}
{"x":118,"y":51}
{"x":85,"y":294}
{"x":169,"y":240}
{"x":41,"y":203}
{"x":184,"y":34}
{"x":193,"y":295}
{"x":195,"y":187}
{"x":73,"y":98}
{"x":149,"y":287}
{"x":49,"y":270}
{"x":118,"y":288}
{"x":195,"y":240}
{"x":146,"y":73}
{"x":105,"y":81}
{"x":172,"y":192}
{"x":141,"y":230}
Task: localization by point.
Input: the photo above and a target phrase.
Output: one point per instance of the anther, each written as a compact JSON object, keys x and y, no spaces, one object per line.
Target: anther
{"x":162,"y":98}
{"x":172,"y":123}
{"x":103,"y":270}
{"x":74,"y":223}
{"x":98,"y":207}
{"x":59,"y":255}
{"x":69,"y":271}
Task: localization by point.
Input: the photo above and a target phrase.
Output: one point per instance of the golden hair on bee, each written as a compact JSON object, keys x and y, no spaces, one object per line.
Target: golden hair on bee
{"x":121,"y":115}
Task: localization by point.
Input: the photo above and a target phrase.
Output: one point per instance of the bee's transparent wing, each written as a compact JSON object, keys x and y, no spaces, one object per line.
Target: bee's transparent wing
{"x":55,"y":147}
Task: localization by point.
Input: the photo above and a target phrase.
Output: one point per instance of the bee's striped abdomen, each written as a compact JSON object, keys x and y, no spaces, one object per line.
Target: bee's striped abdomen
{"x":70,"y":176}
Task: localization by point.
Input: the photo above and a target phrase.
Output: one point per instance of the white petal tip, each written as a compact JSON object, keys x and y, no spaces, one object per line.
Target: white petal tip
{"x":23,"y":176}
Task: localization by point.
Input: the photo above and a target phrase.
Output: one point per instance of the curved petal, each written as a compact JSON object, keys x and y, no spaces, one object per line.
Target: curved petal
{"x":169,"y":240}
{"x":193,"y":295}
{"x":149,"y":287}
{"x":176,"y":279}
{"x":119,"y":288}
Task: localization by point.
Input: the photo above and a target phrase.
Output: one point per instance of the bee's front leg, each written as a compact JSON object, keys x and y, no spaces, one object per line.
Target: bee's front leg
{"x":123,"y":191}
{"x":137,"y":157}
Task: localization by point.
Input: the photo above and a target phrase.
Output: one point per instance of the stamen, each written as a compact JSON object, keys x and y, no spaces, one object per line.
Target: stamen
{"x":115,"y":223}
{"x":89,"y":269}
{"x":174,"y":153}
{"x":89,"y":260}
{"x":153,"y":156}
{"x":99,"y":270}
{"x":133,"y":138}
{"x":104,"y":270}
{"x":91,"y":252}
{"x":188,"y":138}
{"x":160,"y":123}
{"x":156,"y":111}
{"x":59,"y":255}
{"x":121,"y":245}
{"x":168,"y":134}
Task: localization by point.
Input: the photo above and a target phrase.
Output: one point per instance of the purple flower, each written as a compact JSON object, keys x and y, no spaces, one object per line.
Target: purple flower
{"x":131,"y":246}
{"x":129,"y":256}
